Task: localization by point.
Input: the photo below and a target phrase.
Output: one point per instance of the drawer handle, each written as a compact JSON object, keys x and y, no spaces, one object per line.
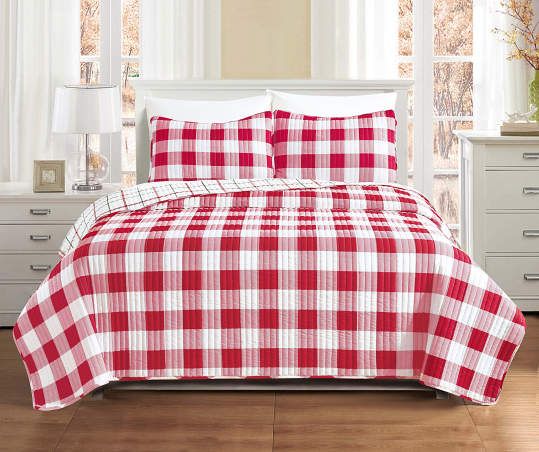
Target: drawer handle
{"x":530,"y":190}
{"x":40,"y":211}
{"x":39,"y":238}
{"x":39,"y":268}
{"x":530,"y":233}
{"x":530,"y":155}
{"x":531,"y":276}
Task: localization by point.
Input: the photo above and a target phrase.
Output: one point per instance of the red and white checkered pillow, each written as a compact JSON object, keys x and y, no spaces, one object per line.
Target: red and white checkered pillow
{"x":183,"y":150}
{"x":353,"y":149}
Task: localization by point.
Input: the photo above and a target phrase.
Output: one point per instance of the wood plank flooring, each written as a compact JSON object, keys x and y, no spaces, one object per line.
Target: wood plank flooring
{"x":264,"y":421}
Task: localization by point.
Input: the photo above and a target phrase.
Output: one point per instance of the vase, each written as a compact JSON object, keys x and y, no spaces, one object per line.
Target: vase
{"x":534,"y":96}
{"x":98,"y":166}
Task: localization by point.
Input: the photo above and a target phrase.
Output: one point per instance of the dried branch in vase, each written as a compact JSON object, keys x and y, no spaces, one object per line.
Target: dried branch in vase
{"x":523,"y":32}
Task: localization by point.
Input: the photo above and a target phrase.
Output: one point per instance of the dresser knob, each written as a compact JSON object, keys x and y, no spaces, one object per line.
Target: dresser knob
{"x":530,"y":190}
{"x":40,"y":238}
{"x":530,"y":233}
{"x":39,"y":268}
{"x":530,"y":155}
{"x":40,"y":211}
{"x":531,"y":276}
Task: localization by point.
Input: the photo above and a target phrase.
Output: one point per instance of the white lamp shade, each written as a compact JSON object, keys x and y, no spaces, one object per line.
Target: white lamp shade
{"x":87,"y":109}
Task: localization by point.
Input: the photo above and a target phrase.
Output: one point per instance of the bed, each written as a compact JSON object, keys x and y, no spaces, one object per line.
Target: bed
{"x":265,"y":280}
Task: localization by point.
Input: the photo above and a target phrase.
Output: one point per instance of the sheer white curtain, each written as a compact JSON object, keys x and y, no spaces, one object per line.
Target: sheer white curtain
{"x":39,"y":50}
{"x":354,"y":39}
{"x":500,"y":86}
{"x":180,"y":39}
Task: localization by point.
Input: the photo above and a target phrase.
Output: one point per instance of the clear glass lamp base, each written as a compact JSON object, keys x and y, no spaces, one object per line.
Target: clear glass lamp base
{"x":83,"y":186}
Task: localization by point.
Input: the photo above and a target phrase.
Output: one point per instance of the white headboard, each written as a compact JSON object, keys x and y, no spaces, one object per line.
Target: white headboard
{"x":233,"y":89}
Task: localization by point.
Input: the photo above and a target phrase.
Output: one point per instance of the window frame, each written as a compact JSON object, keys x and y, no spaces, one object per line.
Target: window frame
{"x":423,"y":59}
{"x":110,"y":61}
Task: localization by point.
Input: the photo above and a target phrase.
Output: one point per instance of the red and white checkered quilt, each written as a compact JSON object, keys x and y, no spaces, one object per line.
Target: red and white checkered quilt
{"x":265,"y":278}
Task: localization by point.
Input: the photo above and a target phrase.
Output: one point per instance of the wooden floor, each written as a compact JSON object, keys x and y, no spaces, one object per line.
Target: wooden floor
{"x":262,"y":421}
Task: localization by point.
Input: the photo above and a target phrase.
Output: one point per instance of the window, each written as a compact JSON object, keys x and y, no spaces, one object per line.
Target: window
{"x":109,"y":53}
{"x":435,"y":48}
{"x":452,"y":94}
{"x":406,"y":70}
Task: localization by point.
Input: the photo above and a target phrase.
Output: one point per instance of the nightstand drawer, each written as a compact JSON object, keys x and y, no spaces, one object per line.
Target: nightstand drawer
{"x":32,"y":237}
{"x":13,"y":297}
{"x":509,"y":190}
{"x":33,"y":267}
{"x":41,"y":211}
{"x":525,"y":156}
{"x":517,"y":276}
{"x":512,"y":233}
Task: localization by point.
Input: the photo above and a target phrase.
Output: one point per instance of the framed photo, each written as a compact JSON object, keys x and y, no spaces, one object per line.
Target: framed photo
{"x":49,"y":176}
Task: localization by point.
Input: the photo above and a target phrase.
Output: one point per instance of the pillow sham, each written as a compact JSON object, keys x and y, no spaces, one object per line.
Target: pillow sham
{"x":206,"y":110}
{"x":184,"y":150}
{"x":352,"y":149}
{"x":332,"y":106}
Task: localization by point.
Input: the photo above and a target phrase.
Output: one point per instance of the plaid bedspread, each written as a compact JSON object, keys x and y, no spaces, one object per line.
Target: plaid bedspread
{"x":265,"y":278}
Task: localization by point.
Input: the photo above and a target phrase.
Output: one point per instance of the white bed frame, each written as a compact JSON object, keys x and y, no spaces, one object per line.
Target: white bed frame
{"x":234,"y":89}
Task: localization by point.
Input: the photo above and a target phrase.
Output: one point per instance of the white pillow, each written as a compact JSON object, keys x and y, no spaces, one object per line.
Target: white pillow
{"x":332,"y":106}
{"x":207,"y":110}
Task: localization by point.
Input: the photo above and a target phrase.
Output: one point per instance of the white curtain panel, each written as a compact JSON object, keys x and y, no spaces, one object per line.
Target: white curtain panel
{"x":500,"y":86}
{"x":180,"y":39}
{"x":39,"y":50}
{"x":354,"y":39}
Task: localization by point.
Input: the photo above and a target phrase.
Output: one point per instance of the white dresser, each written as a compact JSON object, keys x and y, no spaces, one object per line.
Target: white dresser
{"x":32,"y":228}
{"x":500,"y":210}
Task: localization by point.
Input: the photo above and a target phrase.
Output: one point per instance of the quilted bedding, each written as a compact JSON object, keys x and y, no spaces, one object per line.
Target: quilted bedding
{"x":265,"y":278}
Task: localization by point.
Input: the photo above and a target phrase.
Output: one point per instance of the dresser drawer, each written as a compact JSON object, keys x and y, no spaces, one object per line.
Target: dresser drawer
{"x":32,"y":237}
{"x":26,"y":266}
{"x":512,"y":190}
{"x":13,"y":297}
{"x":41,"y":211}
{"x":517,"y":276}
{"x":523,"y":155}
{"x":512,"y":233}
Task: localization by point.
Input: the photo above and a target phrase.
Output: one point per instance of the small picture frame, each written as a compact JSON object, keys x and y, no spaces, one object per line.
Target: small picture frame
{"x":49,"y":176}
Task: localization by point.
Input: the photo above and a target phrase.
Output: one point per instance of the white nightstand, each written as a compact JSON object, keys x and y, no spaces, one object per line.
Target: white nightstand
{"x":500,"y":210}
{"x":32,"y":228}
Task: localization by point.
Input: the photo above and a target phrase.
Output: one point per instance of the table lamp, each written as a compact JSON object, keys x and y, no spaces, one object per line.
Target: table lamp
{"x":87,"y":109}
